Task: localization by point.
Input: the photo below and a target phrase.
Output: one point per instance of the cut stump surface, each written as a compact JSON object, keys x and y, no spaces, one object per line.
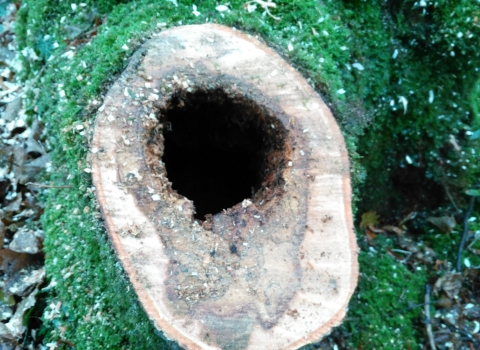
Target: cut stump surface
{"x":224,"y":182}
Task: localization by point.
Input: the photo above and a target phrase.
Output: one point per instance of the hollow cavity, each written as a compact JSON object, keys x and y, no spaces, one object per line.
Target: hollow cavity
{"x":218,"y":148}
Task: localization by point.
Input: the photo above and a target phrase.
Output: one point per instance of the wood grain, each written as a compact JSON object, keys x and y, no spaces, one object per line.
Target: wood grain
{"x":294,"y":267}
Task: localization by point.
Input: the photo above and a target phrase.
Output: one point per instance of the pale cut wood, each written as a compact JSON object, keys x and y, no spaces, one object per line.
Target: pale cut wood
{"x":294,"y":267}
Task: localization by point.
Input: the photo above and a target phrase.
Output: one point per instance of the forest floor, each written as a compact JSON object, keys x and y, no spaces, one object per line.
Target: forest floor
{"x":447,"y":316}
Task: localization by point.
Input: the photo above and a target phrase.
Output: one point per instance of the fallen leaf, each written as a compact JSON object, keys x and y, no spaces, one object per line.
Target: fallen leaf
{"x":15,"y":325}
{"x":6,"y":338}
{"x":394,"y":229}
{"x":444,"y":302}
{"x":450,"y":283}
{"x":27,"y":171}
{"x":410,"y":216}
{"x":14,"y":206}
{"x":11,"y":110}
{"x":11,"y":262}
{"x":24,"y":281}
{"x":440,"y":264}
{"x":24,"y":241}
{"x":370,"y":217}
{"x":444,"y":223}
{"x":376,"y":230}
{"x":370,"y":236}
{"x":5,"y":312}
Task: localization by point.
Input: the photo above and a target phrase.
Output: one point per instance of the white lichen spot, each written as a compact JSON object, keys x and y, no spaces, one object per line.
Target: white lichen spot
{"x":246,"y":203}
{"x":221,"y":8}
{"x":125,"y":47}
{"x":290,"y":47}
{"x":69,"y":54}
{"x":404,"y":102}
{"x":341,"y":91}
{"x":195,"y":12}
{"x":358,"y":66}
{"x":250,"y":7}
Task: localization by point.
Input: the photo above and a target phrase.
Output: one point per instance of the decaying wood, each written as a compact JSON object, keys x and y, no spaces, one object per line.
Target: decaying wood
{"x":274,"y":271}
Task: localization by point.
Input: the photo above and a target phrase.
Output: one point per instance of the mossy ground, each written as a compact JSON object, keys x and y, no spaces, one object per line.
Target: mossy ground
{"x":417,"y":87}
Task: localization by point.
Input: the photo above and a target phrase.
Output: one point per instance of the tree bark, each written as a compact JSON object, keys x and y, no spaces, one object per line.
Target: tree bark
{"x":274,"y":270}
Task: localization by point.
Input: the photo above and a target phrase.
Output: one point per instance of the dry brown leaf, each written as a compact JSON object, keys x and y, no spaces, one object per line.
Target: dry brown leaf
{"x":444,"y":223}
{"x":410,"y":216}
{"x":14,"y":207}
{"x":450,"y":283}
{"x":370,"y":236}
{"x":444,"y":302}
{"x":474,"y":251}
{"x":11,"y":262}
{"x":6,"y":337}
{"x":440,"y":264}
{"x":11,"y":110}
{"x":394,"y":229}
{"x":376,"y":230}
{"x":25,"y":241}
{"x":28,"y":170}
{"x":24,"y":281}
{"x":15,"y":325}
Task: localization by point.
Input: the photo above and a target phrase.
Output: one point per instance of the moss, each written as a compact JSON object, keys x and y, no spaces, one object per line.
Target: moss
{"x":435,"y":68}
{"x":384,"y":312}
{"x":405,"y":51}
{"x":442,"y":243}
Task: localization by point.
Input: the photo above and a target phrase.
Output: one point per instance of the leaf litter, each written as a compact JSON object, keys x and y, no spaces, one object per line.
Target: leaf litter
{"x":23,"y":158}
{"x":451,"y":313}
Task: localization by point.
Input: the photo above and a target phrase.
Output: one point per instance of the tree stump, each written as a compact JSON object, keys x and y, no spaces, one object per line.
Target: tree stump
{"x":224,"y":183}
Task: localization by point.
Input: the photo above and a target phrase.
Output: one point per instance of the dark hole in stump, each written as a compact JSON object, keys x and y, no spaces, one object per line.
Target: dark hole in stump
{"x":216,"y":148}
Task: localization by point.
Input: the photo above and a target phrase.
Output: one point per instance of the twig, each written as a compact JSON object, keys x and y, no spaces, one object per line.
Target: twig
{"x":408,"y":253}
{"x":465,"y":233}
{"x":36,"y":184}
{"x":428,"y":322}
{"x":414,"y":306}
{"x":451,"y":198}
